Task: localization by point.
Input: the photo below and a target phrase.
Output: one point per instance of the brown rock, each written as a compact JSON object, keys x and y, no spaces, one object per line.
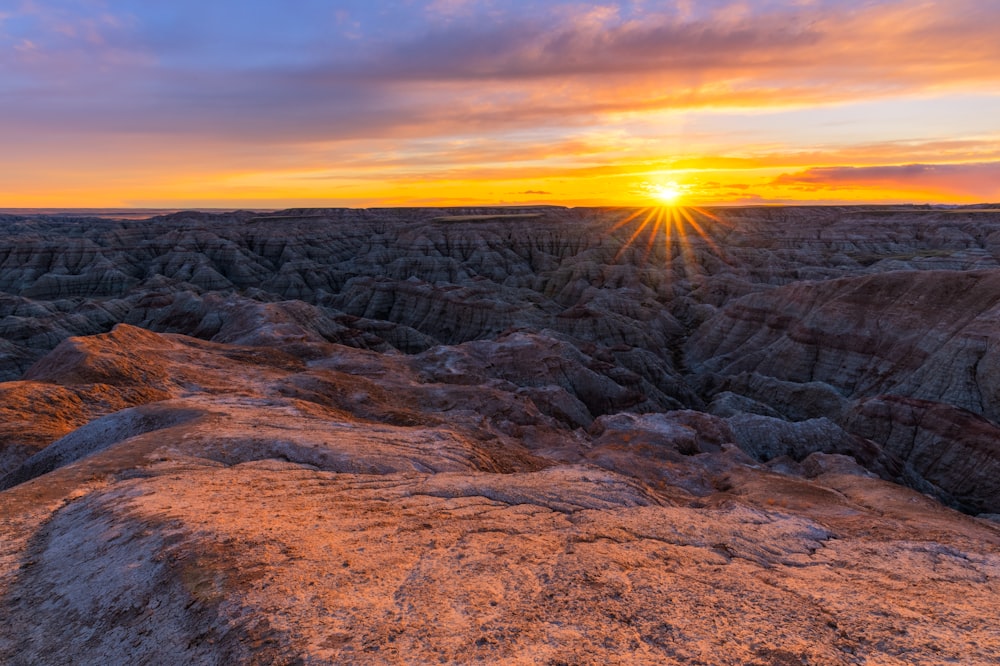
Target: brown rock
{"x":946,"y":451}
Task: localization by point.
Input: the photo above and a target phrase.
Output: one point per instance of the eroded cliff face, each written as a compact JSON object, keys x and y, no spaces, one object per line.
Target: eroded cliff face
{"x":445,"y":436}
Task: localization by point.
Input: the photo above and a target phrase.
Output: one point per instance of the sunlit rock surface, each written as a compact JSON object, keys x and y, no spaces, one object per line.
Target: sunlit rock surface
{"x":444,"y":436}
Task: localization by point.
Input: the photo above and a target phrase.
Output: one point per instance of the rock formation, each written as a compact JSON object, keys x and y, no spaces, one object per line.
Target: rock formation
{"x":501,"y":436}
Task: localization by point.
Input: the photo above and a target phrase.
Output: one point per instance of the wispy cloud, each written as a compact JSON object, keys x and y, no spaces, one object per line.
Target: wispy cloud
{"x":979,"y":180}
{"x":570,"y":64}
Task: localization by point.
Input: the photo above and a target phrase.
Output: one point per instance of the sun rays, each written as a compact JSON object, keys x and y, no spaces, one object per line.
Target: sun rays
{"x":676,"y":227}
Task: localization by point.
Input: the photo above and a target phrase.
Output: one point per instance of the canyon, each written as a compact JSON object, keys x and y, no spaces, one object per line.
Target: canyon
{"x":762,"y":435}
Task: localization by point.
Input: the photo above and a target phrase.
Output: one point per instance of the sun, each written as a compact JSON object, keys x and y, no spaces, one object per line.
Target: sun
{"x":668,"y":194}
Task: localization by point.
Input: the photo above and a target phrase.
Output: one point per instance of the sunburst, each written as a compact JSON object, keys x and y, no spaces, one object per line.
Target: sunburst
{"x":674,"y":226}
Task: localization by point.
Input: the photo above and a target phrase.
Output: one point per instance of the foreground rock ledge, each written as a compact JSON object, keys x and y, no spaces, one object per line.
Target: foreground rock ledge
{"x":232,"y":520}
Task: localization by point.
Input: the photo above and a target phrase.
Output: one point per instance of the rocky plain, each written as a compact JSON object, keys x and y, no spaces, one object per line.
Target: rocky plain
{"x":502,"y":436}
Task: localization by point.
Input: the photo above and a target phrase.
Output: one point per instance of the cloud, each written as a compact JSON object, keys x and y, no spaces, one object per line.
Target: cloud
{"x":876,"y":47}
{"x":450,"y":9}
{"x":583,"y":46}
{"x":491,"y":70}
{"x":977,"y":180}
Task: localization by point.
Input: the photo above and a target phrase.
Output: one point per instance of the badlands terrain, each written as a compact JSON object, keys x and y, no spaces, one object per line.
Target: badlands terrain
{"x":501,"y":436}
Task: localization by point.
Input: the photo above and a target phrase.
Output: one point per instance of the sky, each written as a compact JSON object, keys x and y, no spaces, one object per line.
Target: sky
{"x":366,"y":103}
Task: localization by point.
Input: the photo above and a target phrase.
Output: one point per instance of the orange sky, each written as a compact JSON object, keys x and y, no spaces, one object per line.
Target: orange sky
{"x":110,"y":103}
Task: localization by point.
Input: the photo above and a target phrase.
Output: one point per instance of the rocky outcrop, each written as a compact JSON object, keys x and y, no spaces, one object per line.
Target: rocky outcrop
{"x":946,"y":451}
{"x":922,"y":334}
{"x":320,"y":503}
{"x":927,"y":338}
{"x":765,"y":438}
{"x":603,"y":380}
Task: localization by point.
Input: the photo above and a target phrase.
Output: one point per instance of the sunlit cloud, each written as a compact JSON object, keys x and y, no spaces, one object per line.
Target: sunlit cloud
{"x":976,"y":181}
